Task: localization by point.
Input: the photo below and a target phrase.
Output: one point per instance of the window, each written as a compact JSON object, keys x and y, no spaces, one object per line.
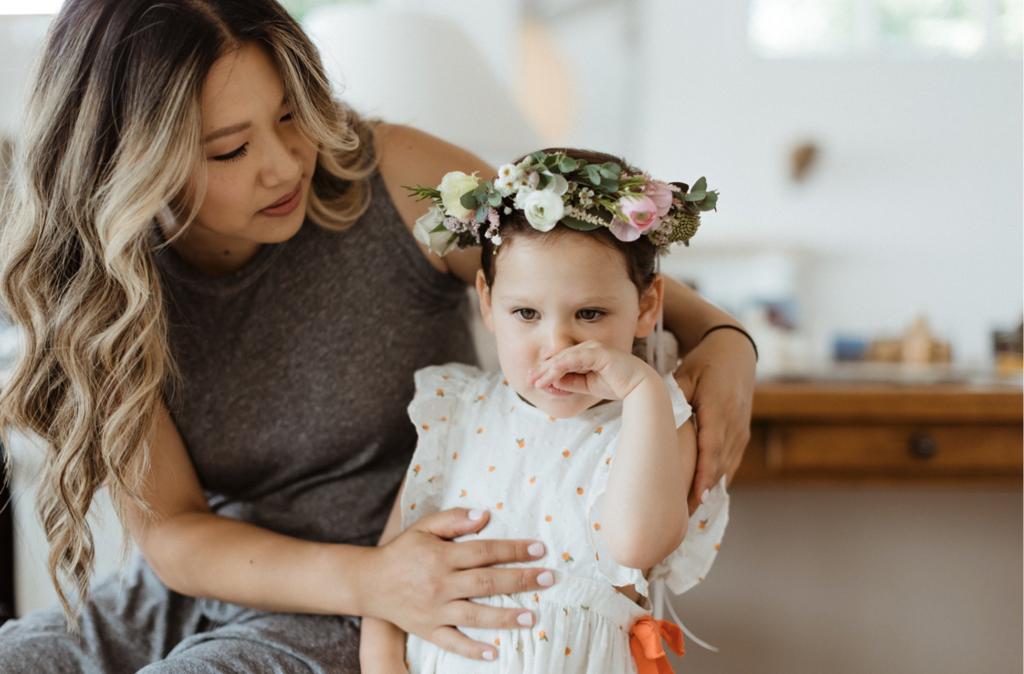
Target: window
{"x":828,"y":28}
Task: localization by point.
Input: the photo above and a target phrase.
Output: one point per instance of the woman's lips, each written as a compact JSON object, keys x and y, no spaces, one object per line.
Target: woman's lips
{"x":285,"y":205}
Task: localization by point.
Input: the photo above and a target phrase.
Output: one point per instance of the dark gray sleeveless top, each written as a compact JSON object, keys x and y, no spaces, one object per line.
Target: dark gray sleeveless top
{"x":297,"y":370}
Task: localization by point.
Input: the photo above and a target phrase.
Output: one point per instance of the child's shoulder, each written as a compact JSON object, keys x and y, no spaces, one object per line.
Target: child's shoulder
{"x":454,"y":378}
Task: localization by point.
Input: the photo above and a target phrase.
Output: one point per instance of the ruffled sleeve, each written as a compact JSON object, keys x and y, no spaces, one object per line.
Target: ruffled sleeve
{"x":434,"y":407}
{"x":690,"y":562}
{"x":617,"y":574}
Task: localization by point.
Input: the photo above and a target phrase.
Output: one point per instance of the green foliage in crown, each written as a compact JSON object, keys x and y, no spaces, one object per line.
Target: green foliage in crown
{"x":553,"y":188}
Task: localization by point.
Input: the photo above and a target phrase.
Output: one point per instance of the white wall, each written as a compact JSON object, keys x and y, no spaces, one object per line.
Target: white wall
{"x":916,"y":206}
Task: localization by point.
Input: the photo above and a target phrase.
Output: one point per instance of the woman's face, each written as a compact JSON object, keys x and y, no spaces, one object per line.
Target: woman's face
{"x":259,"y":166}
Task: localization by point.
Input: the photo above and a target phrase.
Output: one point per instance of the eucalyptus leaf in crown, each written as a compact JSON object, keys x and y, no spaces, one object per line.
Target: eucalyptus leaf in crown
{"x":553,"y":188}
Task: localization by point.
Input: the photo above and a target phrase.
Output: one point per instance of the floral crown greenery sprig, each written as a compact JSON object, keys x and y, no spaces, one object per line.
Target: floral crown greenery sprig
{"x":553,"y":188}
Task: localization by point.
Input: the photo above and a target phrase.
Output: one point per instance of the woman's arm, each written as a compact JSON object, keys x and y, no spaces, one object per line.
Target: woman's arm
{"x":419,"y":580}
{"x":717,"y":376}
{"x":409,"y":157}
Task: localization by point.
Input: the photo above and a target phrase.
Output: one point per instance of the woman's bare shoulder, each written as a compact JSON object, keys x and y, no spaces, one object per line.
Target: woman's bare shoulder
{"x":409,"y":157}
{"x":412,"y":157}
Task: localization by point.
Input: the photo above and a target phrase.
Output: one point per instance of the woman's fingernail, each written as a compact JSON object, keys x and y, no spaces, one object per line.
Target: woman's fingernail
{"x":525,"y":619}
{"x":536,"y":549}
{"x":546,"y":579}
{"x":474,"y":515}
{"x":488,"y":655}
{"x":704,"y":496}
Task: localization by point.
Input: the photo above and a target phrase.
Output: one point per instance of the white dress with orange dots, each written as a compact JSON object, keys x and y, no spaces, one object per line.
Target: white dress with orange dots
{"x":482,"y":446}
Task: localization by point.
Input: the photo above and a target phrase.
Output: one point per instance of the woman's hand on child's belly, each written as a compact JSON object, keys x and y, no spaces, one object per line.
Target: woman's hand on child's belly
{"x":421,"y":581}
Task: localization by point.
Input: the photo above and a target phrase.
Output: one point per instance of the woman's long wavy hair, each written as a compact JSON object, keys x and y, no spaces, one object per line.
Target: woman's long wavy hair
{"x":112,"y":133}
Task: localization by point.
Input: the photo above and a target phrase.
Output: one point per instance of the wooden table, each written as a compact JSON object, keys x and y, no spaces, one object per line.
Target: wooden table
{"x":855,"y":434}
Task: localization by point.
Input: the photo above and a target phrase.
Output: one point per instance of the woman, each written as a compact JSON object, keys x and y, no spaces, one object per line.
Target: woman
{"x":223,"y":306}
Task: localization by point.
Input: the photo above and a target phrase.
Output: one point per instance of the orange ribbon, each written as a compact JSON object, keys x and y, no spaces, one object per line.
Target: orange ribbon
{"x":645,"y":642}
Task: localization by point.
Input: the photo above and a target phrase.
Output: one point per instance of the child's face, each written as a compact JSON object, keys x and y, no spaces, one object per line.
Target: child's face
{"x":552,"y":292}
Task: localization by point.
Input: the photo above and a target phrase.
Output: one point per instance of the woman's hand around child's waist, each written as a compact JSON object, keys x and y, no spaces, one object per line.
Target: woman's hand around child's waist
{"x":594,"y":368}
{"x":421,"y":581}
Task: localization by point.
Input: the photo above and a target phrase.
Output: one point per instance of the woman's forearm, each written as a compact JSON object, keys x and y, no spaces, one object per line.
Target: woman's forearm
{"x":689,"y":317}
{"x":206,"y":555}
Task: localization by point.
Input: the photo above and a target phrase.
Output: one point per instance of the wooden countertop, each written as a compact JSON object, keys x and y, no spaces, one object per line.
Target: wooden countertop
{"x":875,"y":433}
{"x":880,"y":402}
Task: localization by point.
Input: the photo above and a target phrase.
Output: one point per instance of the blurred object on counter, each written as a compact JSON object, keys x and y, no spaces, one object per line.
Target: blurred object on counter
{"x":849,"y":348}
{"x":1008,"y":349}
{"x":781,"y":348}
{"x":917,"y":346}
{"x":760,"y":284}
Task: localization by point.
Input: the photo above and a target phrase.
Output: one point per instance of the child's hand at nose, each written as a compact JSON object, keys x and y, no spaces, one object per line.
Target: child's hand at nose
{"x":594,"y":368}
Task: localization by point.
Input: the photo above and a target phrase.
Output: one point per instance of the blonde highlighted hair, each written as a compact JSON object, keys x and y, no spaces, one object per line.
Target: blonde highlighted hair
{"x":111,"y":133}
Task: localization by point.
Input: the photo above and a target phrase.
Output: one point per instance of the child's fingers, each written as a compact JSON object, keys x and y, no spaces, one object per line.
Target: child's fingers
{"x":575,"y":382}
{"x":451,"y":639}
{"x":581,"y":358}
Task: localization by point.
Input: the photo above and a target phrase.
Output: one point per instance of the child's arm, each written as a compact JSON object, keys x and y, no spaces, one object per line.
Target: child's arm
{"x":381,"y":643}
{"x":645,"y":514}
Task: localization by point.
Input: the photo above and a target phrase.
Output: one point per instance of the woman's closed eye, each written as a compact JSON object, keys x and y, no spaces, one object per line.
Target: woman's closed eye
{"x":235,"y":154}
{"x":526,"y":314}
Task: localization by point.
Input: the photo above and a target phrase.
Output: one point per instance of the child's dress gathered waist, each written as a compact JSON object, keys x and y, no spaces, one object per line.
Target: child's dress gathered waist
{"x":581,"y":625}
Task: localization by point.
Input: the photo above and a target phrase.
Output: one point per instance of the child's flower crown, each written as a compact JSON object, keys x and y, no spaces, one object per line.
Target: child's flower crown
{"x":553,"y":188}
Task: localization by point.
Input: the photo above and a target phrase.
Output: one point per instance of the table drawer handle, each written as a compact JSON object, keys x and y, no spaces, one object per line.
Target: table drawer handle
{"x":923,"y":446}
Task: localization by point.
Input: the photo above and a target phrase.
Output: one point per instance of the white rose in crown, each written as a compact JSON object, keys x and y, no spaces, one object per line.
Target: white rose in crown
{"x":543,"y":209}
{"x":452,"y":187}
{"x":423,"y":230}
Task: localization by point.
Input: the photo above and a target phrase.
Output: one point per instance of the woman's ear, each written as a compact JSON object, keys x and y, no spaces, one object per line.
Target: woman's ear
{"x":484,"y":293}
{"x":650,"y":308}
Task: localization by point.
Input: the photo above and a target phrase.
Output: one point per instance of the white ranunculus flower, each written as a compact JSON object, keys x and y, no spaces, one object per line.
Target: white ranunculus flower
{"x":423,"y":230}
{"x":452,"y":187}
{"x":543,"y":209}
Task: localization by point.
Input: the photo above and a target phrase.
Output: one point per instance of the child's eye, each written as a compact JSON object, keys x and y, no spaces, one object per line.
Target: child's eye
{"x":589,"y":314}
{"x":234,"y":154}
{"x":526,"y":314}
{"x":287,"y":118}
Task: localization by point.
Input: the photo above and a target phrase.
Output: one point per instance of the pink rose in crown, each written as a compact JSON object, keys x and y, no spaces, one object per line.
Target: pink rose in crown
{"x":660,"y":194}
{"x":641,"y":212}
{"x":623,"y":230}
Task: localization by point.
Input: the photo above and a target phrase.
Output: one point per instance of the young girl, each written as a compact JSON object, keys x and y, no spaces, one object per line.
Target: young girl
{"x":576,"y":443}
